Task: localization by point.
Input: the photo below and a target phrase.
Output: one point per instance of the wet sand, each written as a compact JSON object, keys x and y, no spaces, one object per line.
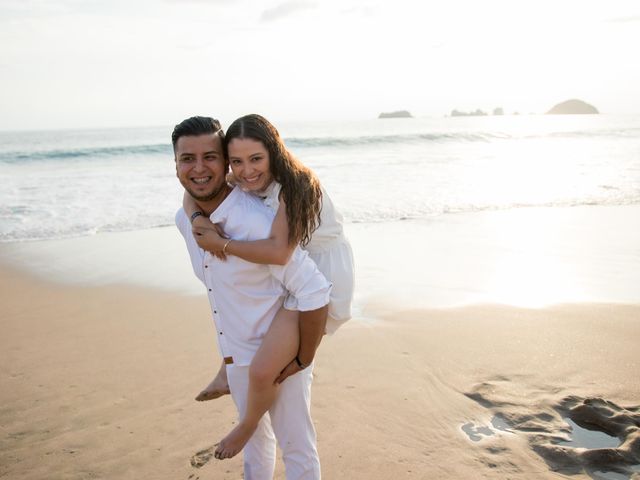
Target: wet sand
{"x":98,"y":382}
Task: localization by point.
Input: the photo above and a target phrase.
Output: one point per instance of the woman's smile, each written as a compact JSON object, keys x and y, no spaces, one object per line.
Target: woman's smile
{"x":249,"y":161}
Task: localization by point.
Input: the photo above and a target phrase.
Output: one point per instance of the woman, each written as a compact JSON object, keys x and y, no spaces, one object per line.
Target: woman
{"x":304,"y":215}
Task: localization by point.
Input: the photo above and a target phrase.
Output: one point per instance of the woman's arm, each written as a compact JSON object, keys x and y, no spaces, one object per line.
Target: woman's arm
{"x":208,"y":236}
{"x":274,"y":250}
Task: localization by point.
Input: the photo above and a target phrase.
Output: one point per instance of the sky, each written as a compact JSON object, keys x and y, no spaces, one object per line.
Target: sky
{"x":113,"y":63}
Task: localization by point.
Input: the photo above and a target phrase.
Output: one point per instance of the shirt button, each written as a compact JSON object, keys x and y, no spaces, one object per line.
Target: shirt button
{"x":209,"y":289}
{"x":220,"y":333}
{"x":206,"y":266}
{"x":215,"y":311}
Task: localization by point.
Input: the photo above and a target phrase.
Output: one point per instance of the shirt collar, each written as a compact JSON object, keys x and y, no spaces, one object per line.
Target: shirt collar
{"x":267,"y":192}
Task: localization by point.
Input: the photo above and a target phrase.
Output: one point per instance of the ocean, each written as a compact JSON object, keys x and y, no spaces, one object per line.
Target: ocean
{"x":73,"y":183}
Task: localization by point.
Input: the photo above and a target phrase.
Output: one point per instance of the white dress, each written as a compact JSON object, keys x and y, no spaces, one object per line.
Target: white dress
{"x":331,"y":251}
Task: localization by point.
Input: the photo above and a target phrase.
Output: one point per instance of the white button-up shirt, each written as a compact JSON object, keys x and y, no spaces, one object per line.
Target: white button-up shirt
{"x":245,"y":296}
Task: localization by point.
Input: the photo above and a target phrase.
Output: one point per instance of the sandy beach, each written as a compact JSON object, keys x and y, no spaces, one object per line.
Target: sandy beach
{"x":98,"y":382}
{"x":483,"y":160}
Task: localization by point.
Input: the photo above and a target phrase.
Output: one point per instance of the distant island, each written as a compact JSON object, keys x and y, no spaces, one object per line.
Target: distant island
{"x":573,"y":106}
{"x":398,"y":114}
{"x":477,"y":113}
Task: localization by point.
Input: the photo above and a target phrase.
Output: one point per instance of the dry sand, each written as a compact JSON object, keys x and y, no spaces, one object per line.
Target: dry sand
{"x":99,"y":383}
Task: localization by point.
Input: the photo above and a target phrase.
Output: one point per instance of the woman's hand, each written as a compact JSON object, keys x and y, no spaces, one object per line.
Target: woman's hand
{"x":209,"y":237}
{"x":202,"y":221}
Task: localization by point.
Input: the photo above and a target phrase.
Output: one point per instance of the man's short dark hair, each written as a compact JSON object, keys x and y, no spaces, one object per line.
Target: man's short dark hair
{"x":194,"y":126}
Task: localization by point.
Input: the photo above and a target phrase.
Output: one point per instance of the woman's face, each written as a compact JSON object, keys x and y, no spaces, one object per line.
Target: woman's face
{"x":249,"y":161}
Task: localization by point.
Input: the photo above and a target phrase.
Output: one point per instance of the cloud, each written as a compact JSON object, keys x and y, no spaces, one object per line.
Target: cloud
{"x":361,"y":11}
{"x":628,"y":19}
{"x":196,"y":45}
{"x":285,"y":9}
{"x":28,"y":9}
{"x":211,"y":2}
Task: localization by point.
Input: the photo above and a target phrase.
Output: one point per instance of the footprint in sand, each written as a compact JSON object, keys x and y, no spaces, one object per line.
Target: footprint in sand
{"x":573,"y":435}
{"x":477,"y":432}
{"x":201,"y":458}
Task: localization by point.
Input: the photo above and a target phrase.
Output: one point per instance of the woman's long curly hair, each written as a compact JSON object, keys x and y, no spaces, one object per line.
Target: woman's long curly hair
{"x":300,"y":187}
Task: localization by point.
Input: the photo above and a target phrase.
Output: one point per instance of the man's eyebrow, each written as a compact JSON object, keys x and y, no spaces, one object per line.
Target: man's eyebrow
{"x":189,"y":154}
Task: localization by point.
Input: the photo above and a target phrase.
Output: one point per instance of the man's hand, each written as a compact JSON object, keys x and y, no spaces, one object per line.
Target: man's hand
{"x":289,"y":370}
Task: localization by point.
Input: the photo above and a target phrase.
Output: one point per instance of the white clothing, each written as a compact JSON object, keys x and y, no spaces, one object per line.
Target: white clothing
{"x":244,"y":299}
{"x":331,"y":251}
{"x":245,"y":296}
{"x":297,"y":439}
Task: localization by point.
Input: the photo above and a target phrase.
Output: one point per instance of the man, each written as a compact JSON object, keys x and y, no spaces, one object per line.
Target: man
{"x":245,"y":297}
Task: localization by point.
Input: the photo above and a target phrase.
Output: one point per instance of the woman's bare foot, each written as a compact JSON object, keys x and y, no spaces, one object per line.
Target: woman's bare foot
{"x":235,"y":441}
{"x":217,"y":388}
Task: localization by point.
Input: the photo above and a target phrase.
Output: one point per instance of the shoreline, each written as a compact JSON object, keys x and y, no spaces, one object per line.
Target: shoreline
{"x":529,"y":257}
{"x":99,"y":382}
{"x":107,"y":340}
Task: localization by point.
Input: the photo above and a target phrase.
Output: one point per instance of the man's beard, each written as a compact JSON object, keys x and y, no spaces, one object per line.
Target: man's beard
{"x":207,"y":198}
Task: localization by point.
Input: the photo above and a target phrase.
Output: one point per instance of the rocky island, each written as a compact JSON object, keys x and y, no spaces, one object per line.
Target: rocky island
{"x":573,"y":106}
{"x":477,"y":113}
{"x":398,"y":114}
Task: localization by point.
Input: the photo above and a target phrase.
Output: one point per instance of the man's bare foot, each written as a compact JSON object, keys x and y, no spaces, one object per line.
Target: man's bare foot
{"x":217,"y":388}
{"x":235,"y":441}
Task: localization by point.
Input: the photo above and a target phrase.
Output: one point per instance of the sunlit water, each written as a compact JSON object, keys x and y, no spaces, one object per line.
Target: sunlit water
{"x":525,"y":210}
{"x":70,"y":183}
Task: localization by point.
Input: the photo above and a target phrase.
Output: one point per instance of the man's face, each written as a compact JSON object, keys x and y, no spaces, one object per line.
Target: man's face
{"x":200,"y":166}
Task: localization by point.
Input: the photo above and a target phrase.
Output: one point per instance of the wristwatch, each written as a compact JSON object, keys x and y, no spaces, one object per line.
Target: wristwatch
{"x":300,"y":364}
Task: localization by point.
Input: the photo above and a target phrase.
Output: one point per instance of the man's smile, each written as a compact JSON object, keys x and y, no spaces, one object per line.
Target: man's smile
{"x":201,"y":180}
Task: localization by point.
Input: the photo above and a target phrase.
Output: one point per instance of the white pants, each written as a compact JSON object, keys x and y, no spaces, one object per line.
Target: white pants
{"x":289,"y":418}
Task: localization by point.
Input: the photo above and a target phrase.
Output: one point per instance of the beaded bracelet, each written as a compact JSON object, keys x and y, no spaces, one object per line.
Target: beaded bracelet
{"x":196,"y":214}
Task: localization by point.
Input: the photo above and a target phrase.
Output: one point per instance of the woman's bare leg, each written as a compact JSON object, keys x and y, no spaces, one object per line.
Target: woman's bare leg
{"x":218,"y":387}
{"x":279,"y":347}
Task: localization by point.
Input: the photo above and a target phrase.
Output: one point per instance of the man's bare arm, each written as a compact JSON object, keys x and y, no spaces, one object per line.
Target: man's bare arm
{"x":312,"y":327}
